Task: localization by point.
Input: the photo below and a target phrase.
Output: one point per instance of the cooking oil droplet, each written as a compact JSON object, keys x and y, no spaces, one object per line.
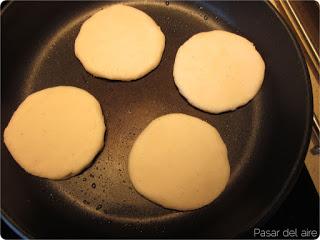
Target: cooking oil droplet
{"x":84,"y":179}
{"x":200,"y":8}
{"x":91,"y":175}
{"x":205,"y":17}
{"x":93,"y":185}
{"x":86,"y":202}
{"x":167,"y":3}
{"x":99,"y":207}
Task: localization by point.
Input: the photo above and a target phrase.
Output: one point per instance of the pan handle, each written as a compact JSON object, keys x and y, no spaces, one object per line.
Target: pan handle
{"x":316,"y":129}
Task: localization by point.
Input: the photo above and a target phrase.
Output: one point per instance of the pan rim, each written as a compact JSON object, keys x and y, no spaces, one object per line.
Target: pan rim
{"x":297,"y":167}
{"x":3,"y":215}
{"x":14,"y":226}
{"x":299,"y":161}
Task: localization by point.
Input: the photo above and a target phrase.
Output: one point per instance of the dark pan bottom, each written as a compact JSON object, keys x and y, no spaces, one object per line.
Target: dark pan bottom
{"x":265,"y":150}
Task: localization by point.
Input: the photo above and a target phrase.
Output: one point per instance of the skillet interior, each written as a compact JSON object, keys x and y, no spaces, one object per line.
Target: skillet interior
{"x":266,"y":139}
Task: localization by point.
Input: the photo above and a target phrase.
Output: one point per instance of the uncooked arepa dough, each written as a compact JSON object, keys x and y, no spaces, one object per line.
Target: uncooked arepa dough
{"x":119,"y":43}
{"x":56,"y":132}
{"x":179,"y":162}
{"x":218,"y":71}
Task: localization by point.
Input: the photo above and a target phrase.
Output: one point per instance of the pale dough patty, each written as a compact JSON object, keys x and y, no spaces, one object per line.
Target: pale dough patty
{"x":179,"y":162}
{"x":218,"y":71}
{"x":56,"y":132}
{"x":119,"y":43}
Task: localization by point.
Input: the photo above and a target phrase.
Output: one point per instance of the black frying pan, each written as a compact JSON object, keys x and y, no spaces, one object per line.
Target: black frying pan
{"x":266,"y":139}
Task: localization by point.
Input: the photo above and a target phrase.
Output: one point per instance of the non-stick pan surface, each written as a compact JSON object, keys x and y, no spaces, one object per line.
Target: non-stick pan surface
{"x":266,"y":139}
